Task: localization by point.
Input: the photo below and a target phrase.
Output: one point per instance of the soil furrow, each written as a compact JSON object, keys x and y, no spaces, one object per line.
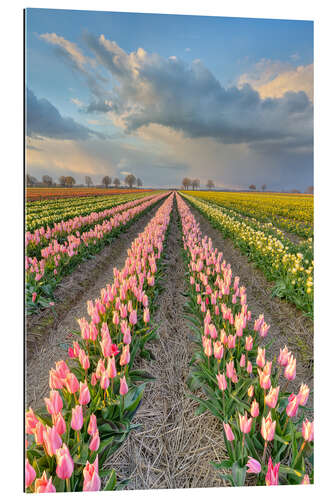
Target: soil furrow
{"x":83,"y":284}
{"x":174,"y":447}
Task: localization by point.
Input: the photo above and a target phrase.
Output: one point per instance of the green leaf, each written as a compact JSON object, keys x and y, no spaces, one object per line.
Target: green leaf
{"x":238,"y":474}
{"x":112,"y":482}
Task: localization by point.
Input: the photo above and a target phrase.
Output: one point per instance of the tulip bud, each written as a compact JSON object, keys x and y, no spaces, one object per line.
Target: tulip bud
{"x":30,"y":474}
{"x":77,"y":418}
{"x":65,"y":464}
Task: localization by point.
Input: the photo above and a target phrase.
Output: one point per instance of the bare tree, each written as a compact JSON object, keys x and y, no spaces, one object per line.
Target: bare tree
{"x":309,"y":190}
{"x":295,"y":191}
{"x":195,"y":183}
{"x":210,"y":184}
{"x":62,"y":180}
{"x":106,"y":181}
{"x":47,"y":180}
{"x":263,"y":187}
{"x":70,"y":181}
{"x":139,"y":182}
{"x":252,"y":187}
{"x":130,"y":180}
{"x":30,"y":180}
{"x":116,"y":182}
{"x":88,"y":181}
{"x":186,"y":182}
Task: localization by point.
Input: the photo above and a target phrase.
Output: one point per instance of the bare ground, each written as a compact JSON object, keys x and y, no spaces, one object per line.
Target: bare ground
{"x":174,"y":447}
{"x":49,"y":333}
{"x":289,"y":326}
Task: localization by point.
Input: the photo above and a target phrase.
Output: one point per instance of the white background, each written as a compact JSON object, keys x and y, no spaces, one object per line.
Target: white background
{"x":11,"y":244}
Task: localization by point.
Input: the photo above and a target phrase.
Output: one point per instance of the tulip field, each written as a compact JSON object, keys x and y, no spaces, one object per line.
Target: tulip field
{"x":97,"y":391}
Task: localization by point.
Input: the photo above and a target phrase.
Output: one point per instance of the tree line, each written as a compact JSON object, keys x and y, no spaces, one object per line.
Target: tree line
{"x":195,"y":183}
{"x":69,"y":181}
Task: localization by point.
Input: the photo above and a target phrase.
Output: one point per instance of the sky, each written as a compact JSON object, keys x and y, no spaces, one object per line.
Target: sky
{"x":169,"y":96}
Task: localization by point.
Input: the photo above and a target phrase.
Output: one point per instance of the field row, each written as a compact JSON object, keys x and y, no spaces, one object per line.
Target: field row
{"x":94,"y":398}
{"x":40,"y":238}
{"x":39,"y":194}
{"x":62,"y":210}
{"x":59,"y":259}
{"x":267,"y":439}
{"x":288,"y":265}
{"x":293,"y":213}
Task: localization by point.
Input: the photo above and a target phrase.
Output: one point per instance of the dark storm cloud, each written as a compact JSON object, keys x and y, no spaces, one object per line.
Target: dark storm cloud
{"x":151,"y":89}
{"x":44,"y":120}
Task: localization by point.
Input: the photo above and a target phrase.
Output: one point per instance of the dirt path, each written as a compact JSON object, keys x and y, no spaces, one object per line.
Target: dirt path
{"x":288,"y":324}
{"x":83,"y":284}
{"x":174,"y":447}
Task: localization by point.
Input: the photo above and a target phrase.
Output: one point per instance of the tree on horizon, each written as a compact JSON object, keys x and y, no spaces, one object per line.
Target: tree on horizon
{"x":106,"y":181}
{"x":210,"y":184}
{"x":130,"y":180}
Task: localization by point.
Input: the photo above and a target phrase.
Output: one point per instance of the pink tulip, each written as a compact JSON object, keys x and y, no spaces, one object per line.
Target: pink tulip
{"x":290,"y":370}
{"x":133,"y":317}
{"x":100,"y":369}
{"x":249,"y":367}
{"x":231,"y":341}
{"x":207,"y":344}
{"x":77,"y":418}
{"x":62,"y":369}
{"x":84,"y":360}
{"x":272,"y":397}
{"x":268,"y":428}
{"x":229,"y":434}
{"x":253,"y":466}
{"x":94,"y":442}
{"x":272,"y":476}
{"x":30,"y":421}
{"x":245,"y":423}
{"x":250,"y":391}
{"x":44,"y":485}
{"x":307,"y":430}
{"x":39,"y":433}
{"x":105,"y":381}
{"x":218,"y":350}
{"x":146,"y":315}
{"x":54,"y":403}
{"x":55,"y":382}
{"x":254,"y":409}
{"x":261,"y":357}
{"x":93,"y":379}
{"x":222,"y":383}
{"x":303,"y":394}
{"x":71,"y":383}
{"x":248,"y":343}
{"x":92,"y":481}
{"x":284,"y":357}
{"x":265,"y":381}
{"x":123,"y":386}
{"x":292,"y":406}
{"x":30,"y":474}
{"x":230,"y":369}
{"x":34,"y":296}
{"x":111,"y":369}
{"x":125,"y":356}
{"x":242,"y":361}
{"x":65,"y":464}
{"x":92,"y":427}
{"x":59,"y":423}
{"x":51,"y":440}
{"x":84,"y":397}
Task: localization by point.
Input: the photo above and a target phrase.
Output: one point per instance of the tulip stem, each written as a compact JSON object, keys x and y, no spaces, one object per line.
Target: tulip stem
{"x":285,"y":425}
{"x":300,"y":452}
{"x":68,"y":484}
{"x":264,"y":454}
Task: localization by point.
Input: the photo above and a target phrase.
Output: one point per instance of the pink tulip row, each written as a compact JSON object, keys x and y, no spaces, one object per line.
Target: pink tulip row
{"x":54,"y":253}
{"x":102,"y":376}
{"x":42,"y":235}
{"x":228,"y":347}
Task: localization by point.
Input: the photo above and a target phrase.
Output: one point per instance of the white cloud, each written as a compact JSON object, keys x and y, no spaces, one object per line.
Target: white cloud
{"x":77,"y":102}
{"x":275,"y":78}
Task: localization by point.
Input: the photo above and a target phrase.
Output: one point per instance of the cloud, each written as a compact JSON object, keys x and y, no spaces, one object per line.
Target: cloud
{"x":44,"y":120}
{"x":66,"y":47}
{"x":77,"y":102}
{"x":275,"y":78}
{"x":150,"y":89}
